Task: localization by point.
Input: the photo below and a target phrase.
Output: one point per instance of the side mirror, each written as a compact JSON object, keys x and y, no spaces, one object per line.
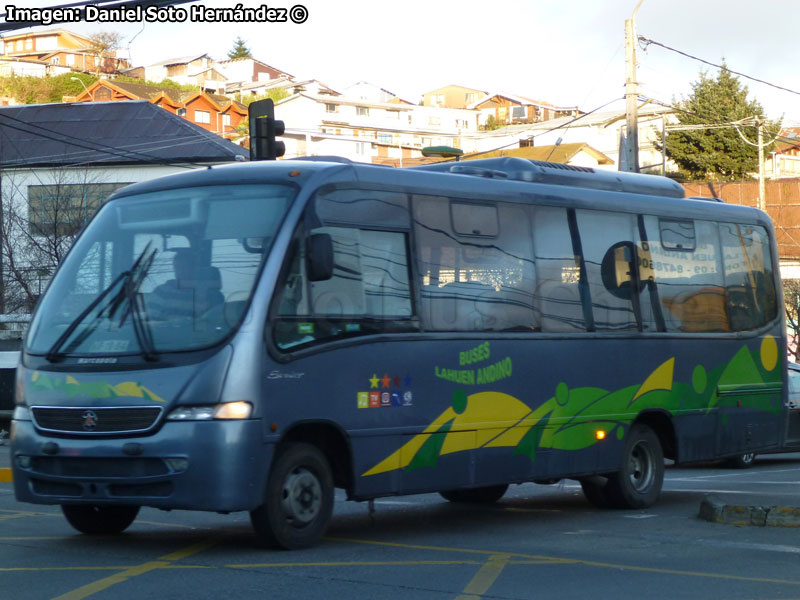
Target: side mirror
{"x":319,"y":257}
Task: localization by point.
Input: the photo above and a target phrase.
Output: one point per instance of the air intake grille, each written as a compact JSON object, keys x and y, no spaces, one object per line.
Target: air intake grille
{"x":90,"y":421}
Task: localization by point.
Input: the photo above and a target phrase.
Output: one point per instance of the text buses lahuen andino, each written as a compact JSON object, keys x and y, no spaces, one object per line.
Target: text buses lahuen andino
{"x":250,"y":337}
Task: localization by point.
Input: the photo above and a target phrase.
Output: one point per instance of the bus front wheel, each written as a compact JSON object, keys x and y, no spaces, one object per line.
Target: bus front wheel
{"x":299,"y":499}
{"x":638,"y":483}
{"x":99,"y":519}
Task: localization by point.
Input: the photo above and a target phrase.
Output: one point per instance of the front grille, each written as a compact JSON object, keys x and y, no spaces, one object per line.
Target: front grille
{"x":69,"y":466}
{"x":88,"y":420}
{"x":158,"y":489}
{"x":54,"y":488}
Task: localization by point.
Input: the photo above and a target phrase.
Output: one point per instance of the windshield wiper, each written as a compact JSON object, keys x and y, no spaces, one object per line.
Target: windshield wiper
{"x":131,"y":281}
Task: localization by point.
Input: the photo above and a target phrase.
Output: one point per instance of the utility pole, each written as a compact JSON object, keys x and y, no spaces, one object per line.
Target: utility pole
{"x":762,"y":186}
{"x":629,"y":159}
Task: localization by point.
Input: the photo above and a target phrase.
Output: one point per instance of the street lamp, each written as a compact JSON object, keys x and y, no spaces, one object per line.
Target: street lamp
{"x":79,"y":80}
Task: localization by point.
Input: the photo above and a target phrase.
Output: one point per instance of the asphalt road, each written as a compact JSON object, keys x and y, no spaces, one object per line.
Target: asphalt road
{"x":537,"y":542}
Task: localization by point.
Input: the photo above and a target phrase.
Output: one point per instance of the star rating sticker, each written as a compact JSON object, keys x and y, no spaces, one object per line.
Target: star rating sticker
{"x":373,"y":383}
{"x":386,"y":380}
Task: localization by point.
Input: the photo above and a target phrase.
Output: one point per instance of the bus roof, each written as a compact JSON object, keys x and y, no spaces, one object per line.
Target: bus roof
{"x":510,"y":178}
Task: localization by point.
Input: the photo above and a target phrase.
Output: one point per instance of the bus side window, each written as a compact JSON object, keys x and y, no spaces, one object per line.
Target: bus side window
{"x":609,"y":236}
{"x":369,"y":290}
{"x":476,"y":265}
{"x":749,"y":290}
{"x":557,"y":299}
{"x":687,"y":267}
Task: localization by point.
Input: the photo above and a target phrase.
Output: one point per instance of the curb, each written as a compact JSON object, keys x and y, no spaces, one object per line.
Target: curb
{"x":5,"y":476}
{"x":715,"y":511}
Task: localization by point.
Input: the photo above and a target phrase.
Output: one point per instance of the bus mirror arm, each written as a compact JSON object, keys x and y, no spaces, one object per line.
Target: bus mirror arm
{"x":319,"y":257}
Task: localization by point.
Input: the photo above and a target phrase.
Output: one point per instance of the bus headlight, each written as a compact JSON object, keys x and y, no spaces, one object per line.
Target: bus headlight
{"x":233,"y":410}
{"x":226,"y":410}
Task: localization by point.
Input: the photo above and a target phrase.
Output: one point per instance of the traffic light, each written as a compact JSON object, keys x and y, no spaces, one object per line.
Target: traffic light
{"x":263,"y":131}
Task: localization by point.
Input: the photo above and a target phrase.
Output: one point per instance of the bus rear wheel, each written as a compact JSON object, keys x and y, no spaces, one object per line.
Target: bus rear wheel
{"x":99,"y":519}
{"x":481,"y":495}
{"x":638,"y":483}
{"x":299,"y":499}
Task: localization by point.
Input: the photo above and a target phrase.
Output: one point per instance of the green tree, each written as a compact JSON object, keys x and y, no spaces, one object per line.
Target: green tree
{"x":239,"y":50}
{"x":717,"y":153}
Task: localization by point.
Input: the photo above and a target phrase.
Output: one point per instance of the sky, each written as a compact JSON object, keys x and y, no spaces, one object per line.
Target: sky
{"x":565,"y":52}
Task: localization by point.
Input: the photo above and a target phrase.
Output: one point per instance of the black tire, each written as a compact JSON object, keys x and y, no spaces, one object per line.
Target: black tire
{"x":299,"y":499}
{"x":99,"y":519}
{"x":596,"y":491}
{"x":482,"y":495}
{"x":638,"y":483}
{"x":742,"y":461}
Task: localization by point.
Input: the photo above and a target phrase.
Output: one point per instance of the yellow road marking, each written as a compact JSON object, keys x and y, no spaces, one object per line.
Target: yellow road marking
{"x":355,"y":563}
{"x":5,"y":475}
{"x":573,"y":561}
{"x":162,"y":563}
{"x":485,"y":577}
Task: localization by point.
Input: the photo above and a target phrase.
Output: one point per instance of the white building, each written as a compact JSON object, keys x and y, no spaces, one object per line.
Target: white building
{"x":366,"y":130}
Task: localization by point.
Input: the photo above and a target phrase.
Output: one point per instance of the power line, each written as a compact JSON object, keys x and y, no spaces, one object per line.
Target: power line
{"x":647,"y":41}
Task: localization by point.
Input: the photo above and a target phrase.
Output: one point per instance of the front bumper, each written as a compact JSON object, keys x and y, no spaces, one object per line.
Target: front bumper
{"x":194,"y":465}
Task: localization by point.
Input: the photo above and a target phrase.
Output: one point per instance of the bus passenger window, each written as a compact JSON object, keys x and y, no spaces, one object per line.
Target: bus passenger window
{"x":557,"y":299}
{"x":750,"y":292}
{"x":608,"y":252}
{"x":687,"y":267}
{"x":476,"y":265}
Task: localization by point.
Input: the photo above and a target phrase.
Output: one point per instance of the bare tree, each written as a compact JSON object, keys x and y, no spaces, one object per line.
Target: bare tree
{"x":39,"y":224}
{"x":791,"y":297}
{"x":104,"y":44}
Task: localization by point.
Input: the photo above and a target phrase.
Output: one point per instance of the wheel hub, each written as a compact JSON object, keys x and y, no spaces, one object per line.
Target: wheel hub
{"x":302,"y":496}
{"x":640,"y":468}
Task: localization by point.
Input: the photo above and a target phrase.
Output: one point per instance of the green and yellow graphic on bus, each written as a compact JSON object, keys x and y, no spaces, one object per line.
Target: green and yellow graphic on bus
{"x":574,"y":419}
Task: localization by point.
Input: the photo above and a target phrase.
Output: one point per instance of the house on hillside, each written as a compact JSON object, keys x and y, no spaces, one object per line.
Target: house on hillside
{"x":186,"y":70}
{"x":58,"y":162}
{"x":453,"y":96}
{"x":213,"y":112}
{"x":248,"y":70}
{"x":601,"y":130}
{"x":368,"y":131}
{"x":60,"y":47}
{"x":506,"y":109}
{"x":241,"y":91}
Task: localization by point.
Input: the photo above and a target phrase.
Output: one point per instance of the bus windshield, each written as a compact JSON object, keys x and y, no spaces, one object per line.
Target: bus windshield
{"x":160,"y":272}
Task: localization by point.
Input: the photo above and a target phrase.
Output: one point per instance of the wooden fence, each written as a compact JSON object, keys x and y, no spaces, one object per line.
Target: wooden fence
{"x":783,"y":206}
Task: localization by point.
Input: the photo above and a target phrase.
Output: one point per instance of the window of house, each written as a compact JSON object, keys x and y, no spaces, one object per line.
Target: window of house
{"x":19,"y":45}
{"x":55,"y":60}
{"x":202,"y":116}
{"x":434,"y":121}
{"x":226,"y":120}
{"x":331,"y":108}
{"x":393,"y":114}
{"x":29,"y":44}
{"x":63,"y":209}
{"x":362,"y":111}
{"x":385,"y":138}
{"x":70,"y":59}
